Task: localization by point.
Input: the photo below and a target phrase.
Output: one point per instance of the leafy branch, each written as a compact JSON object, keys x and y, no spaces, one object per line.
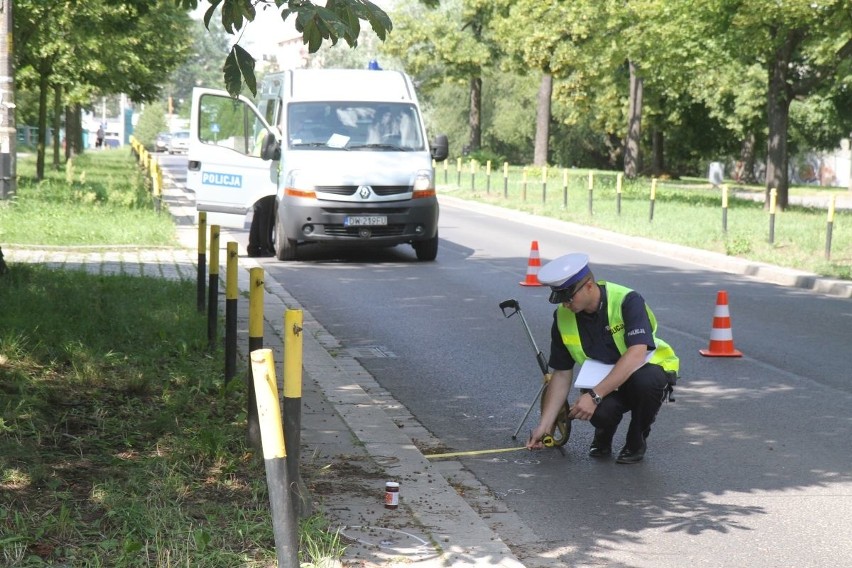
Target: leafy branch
{"x":338,"y":19}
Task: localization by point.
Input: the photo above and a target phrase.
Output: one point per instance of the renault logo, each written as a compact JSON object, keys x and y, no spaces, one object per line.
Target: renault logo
{"x":364,"y":191}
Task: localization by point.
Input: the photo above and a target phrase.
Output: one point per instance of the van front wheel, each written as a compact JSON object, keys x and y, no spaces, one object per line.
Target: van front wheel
{"x":285,"y":249}
{"x":427,"y":250}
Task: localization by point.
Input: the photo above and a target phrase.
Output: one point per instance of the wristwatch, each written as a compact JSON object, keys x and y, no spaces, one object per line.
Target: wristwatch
{"x":595,"y":397}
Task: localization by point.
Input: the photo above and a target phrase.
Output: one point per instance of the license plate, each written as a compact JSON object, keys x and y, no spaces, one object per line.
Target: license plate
{"x":365,"y":220}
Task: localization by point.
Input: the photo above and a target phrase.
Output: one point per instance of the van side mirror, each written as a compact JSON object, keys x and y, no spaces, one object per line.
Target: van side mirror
{"x":270,"y":148}
{"x":440,"y":148}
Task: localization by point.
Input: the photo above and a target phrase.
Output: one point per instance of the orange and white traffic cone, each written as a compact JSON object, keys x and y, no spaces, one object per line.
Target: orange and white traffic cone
{"x":532,"y":267}
{"x":721,"y":337}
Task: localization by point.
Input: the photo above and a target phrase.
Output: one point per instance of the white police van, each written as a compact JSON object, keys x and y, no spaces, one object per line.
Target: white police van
{"x":327,"y":156}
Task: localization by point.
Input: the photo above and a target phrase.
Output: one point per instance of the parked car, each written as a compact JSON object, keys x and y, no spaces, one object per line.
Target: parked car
{"x":179,"y":142}
{"x":162,"y":142}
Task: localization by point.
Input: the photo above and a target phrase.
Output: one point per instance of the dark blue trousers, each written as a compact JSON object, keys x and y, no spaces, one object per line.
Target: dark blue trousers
{"x":641,"y":395}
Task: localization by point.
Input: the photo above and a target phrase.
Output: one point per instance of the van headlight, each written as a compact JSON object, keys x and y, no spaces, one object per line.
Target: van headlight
{"x":423,"y":184}
{"x":297,"y":179}
{"x":299,"y":184}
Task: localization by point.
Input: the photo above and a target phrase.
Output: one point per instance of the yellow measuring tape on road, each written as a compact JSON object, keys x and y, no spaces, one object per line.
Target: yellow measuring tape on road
{"x":472,"y":453}
{"x":547,"y":441}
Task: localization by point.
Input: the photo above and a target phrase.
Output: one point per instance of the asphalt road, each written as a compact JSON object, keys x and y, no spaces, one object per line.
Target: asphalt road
{"x":752,"y":466}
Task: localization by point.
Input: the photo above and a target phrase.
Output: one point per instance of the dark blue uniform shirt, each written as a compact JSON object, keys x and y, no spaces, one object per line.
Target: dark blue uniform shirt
{"x":595,"y":336}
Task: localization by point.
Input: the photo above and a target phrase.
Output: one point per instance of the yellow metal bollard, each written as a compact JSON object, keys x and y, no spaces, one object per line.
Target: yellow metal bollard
{"x":292,"y":405}
{"x":773,"y":200}
{"x":829,"y":226}
{"x":505,"y":180}
{"x":618,"y":181}
{"x":284,"y":524}
{"x":156,"y":183}
{"x":266,"y":388}
{"x":255,"y":342}
{"x":591,"y":190}
{"x":202,"y":261}
{"x":213,"y":288}
{"x":231,"y":294}
{"x":653,"y":198}
{"x":159,"y":188}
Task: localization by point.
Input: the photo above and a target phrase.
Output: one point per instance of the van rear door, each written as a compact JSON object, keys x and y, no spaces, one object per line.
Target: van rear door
{"x":225,"y":169}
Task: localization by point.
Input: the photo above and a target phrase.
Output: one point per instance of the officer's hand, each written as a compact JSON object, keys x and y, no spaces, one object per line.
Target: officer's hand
{"x":534,"y":443}
{"x":583,"y":409}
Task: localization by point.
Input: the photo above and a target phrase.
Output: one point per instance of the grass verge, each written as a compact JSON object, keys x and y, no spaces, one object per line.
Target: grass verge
{"x":119,"y":445}
{"x":686,"y":212}
{"x":100,"y":198}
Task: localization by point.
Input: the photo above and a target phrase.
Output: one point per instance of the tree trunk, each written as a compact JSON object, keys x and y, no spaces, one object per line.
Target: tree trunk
{"x":778,"y":117}
{"x":42,"y":125}
{"x":74,"y":122}
{"x":475,"y":118}
{"x":57,"y":125}
{"x":657,"y":155}
{"x":542,"y":120}
{"x":70,"y":132}
{"x":745,"y":170}
{"x":632,"y":158}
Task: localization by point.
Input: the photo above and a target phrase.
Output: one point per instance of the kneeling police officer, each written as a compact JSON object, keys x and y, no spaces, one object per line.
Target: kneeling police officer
{"x":612,"y":324}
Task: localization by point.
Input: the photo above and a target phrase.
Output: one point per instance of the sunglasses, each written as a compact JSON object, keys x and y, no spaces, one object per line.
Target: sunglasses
{"x":567,"y":296}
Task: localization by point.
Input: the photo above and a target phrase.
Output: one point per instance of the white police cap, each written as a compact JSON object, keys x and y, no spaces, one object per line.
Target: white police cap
{"x":562,"y":274}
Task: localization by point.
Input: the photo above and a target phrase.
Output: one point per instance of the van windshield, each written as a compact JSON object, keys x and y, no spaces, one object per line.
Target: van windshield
{"x":368,"y":126}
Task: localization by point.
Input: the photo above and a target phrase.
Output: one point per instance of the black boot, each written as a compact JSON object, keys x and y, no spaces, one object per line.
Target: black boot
{"x":631,"y":455}
{"x":602,"y":444}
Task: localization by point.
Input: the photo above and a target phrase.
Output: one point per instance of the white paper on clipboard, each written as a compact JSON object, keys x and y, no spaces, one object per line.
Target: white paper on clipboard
{"x":592,"y":372}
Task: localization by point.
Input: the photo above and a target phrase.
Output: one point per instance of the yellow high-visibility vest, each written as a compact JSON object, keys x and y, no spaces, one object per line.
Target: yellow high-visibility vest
{"x":566,"y":321}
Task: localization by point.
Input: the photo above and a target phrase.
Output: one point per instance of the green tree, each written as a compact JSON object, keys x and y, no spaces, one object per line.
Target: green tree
{"x":152,"y":121}
{"x":201,"y":68}
{"x":450,"y":43}
{"x":338,"y":19}
{"x":822,"y":119}
{"x":80,"y":48}
{"x":341,"y":56}
{"x":804,"y":45}
{"x":584,"y":59}
{"x":531,"y":32}
{"x":801,"y":47}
